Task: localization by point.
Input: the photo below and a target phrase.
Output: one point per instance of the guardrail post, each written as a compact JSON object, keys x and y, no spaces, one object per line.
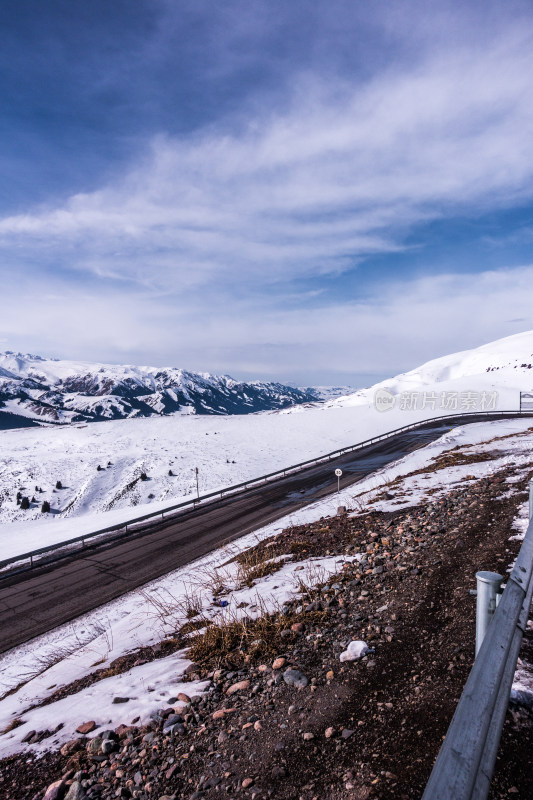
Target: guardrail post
{"x":488,"y":588}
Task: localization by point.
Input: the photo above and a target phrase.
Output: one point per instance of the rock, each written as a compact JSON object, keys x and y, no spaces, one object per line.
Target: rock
{"x":297,"y":627}
{"x":328,"y":733}
{"x":279,"y":663}
{"x":94,"y":746}
{"x":293,"y":677}
{"x":222,"y":737}
{"x":184,"y":697}
{"x":177,"y":729}
{"x":346,"y":733}
{"x":330,"y":675}
{"x":341,"y":511}
{"x":308,"y":736}
{"x":71,"y":747}
{"x":278,"y":772}
{"x":55,"y":791}
{"x":247,"y":782}
{"x":28,"y":736}
{"x":75,"y":792}
{"x":257,"y":725}
{"x":238,"y":687}
{"x":354,"y":651}
{"x":86,"y":727}
{"x":121,"y":700}
{"x":108,"y":746}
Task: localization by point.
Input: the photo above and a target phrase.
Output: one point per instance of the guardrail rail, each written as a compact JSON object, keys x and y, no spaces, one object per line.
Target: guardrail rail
{"x":27,"y":561}
{"x":465,"y":764}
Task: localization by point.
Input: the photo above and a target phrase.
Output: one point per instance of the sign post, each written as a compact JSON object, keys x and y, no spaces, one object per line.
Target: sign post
{"x":338,"y":473}
{"x":197,"y":489}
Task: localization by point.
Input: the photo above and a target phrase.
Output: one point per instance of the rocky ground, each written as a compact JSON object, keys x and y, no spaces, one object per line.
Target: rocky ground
{"x":284,"y":717}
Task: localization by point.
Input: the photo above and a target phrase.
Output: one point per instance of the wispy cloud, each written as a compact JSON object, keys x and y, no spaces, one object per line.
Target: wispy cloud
{"x":232,"y":232}
{"x":336,"y":176}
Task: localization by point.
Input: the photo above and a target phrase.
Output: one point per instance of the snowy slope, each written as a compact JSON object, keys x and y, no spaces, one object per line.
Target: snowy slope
{"x":504,"y":366}
{"x":66,"y":391}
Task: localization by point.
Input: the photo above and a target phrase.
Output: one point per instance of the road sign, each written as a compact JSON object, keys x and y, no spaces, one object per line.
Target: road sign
{"x":338,"y":472}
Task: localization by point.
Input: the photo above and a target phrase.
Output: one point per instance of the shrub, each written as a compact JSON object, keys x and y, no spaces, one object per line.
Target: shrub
{"x":170,"y":473}
{"x":45,"y":508}
{"x":144,"y":476}
{"x":59,"y":485}
{"x":25,"y":503}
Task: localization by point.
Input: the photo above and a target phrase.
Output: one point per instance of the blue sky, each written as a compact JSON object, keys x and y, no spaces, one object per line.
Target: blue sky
{"x":314,"y":192}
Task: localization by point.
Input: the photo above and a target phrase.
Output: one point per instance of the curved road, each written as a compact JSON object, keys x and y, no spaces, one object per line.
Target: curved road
{"x":32,"y":603}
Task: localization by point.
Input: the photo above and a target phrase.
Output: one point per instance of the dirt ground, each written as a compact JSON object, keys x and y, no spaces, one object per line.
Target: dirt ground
{"x":358,"y":729}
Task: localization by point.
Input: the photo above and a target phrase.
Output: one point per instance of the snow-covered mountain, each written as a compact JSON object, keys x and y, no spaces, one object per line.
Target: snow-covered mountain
{"x":492,"y":376}
{"x":49,"y":390}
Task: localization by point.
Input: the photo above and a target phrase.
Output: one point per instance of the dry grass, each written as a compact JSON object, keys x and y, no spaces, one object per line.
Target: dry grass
{"x":254,"y":564}
{"x":234,"y":641}
{"x":15,"y":723}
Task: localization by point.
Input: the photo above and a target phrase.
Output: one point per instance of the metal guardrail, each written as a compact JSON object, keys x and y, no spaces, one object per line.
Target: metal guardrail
{"x":465,"y":764}
{"x":65,"y":548}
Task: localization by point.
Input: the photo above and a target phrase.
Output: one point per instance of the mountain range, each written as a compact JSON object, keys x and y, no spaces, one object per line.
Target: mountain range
{"x":37,"y":390}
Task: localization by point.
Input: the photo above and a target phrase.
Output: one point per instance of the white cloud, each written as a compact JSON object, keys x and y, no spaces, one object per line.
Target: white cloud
{"x":338,"y":174}
{"x":401,"y":327}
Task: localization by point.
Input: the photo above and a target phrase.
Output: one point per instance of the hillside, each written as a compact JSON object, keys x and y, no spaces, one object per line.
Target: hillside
{"x":54,"y":391}
{"x":504,"y":366}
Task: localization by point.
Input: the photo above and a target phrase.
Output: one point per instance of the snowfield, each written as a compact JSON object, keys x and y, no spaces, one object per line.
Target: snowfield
{"x":226,"y":449}
{"x":31,"y":673}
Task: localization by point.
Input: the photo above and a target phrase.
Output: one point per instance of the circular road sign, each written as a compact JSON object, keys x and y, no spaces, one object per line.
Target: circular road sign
{"x":338,"y":472}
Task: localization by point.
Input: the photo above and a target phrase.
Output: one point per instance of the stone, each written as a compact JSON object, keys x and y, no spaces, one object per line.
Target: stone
{"x":330,"y":675}
{"x":328,"y":733}
{"x":257,"y":725}
{"x":346,"y":733}
{"x":241,"y":686}
{"x":117,"y":700}
{"x":108,"y":746}
{"x":247,"y":782}
{"x":75,"y":791}
{"x":55,"y":791}
{"x":71,"y":747}
{"x":278,"y":772}
{"x":298,"y":627}
{"x":308,"y":736}
{"x":279,"y":663}
{"x":293,"y":677}
{"x":94,"y":746}
{"x":354,"y":651}
{"x":184,"y":697}
{"x":86,"y":727}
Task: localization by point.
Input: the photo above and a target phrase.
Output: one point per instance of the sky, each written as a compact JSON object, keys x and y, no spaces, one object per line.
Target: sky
{"x":319,"y":193}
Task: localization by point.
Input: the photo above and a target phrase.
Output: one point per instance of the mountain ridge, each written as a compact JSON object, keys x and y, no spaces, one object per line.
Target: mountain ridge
{"x":61,"y":392}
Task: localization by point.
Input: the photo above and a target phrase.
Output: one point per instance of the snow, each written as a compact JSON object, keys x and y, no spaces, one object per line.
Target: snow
{"x":227,"y":450}
{"x":504,"y":366}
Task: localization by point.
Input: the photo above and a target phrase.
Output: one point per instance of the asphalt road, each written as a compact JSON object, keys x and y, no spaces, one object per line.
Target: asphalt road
{"x":33,"y":603}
